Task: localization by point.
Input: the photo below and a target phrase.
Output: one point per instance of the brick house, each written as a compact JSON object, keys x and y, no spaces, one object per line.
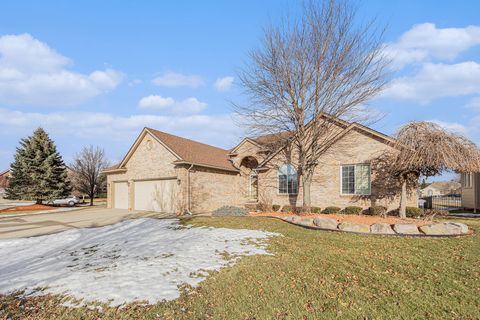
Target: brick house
{"x":4,"y":175}
{"x":441,"y":188}
{"x":166,"y":173}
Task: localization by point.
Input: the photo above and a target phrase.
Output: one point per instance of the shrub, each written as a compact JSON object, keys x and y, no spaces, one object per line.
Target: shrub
{"x":430,"y":214}
{"x":288,"y":208}
{"x":315,"y":209}
{"x":352,"y":210}
{"x":275,"y":207}
{"x":331,"y":209}
{"x":263,"y":207}
{"x":229,"y":211}
{"x":377,"y":211}
{"x":413,"y":212}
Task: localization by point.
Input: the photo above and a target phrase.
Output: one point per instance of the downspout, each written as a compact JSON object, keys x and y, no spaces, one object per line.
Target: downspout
{"x":476,"y":176}
{"x":188,"y":191}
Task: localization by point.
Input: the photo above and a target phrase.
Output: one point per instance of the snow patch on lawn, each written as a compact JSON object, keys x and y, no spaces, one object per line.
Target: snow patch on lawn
{"x":142,"y":259}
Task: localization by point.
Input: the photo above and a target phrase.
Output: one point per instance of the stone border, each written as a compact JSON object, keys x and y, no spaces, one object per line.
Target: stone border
{"x":443,"y":229}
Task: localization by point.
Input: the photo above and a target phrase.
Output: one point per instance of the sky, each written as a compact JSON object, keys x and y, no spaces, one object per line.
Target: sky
{"x":97,"y":72}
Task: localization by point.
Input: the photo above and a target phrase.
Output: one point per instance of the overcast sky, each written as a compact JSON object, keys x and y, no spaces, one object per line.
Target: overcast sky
{"x":97,"y":72}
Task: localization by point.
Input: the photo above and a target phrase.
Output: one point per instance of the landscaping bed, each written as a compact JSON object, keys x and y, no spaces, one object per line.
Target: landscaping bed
{"x":29,"y":208}
{"x":348,"y":217}
{"x":373,"y":224}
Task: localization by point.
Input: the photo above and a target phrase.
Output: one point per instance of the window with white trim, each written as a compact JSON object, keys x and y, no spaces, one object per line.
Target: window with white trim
{"x":287,"y":180}
{"x":355,"y":179}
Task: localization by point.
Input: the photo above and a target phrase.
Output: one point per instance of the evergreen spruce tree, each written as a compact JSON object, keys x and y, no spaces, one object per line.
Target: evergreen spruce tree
{"x":38,"y":172}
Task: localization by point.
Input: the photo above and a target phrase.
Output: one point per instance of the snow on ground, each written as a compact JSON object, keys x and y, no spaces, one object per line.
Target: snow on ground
{"x":141,"y":259}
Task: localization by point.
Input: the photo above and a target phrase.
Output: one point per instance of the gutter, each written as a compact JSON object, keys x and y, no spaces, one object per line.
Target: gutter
{"x":113,"y":171}
{"x":206,"y":166}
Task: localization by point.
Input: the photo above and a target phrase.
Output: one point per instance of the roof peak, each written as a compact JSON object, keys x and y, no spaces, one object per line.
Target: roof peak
{"x":183,"y":138}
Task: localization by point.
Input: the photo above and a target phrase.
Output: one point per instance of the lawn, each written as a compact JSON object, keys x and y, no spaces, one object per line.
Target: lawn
{"x":312,"y":275}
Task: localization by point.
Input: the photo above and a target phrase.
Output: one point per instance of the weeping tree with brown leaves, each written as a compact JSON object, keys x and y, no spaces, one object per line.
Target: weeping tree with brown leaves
{"x":426,"y":149}
{"x":307,"y":72}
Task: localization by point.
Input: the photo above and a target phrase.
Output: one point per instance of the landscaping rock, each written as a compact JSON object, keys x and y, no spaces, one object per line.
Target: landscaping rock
{"x":305,"y":222}
{"x":354,"y":227}
{"x":405,"y":228}
{"x":381,"y":228}
{"x":451,"y":228}
{"x":325,"y":223}
{"x":438,"y":229}
{"x":457,"y":228}
{"x":289,"y":218}
{"x":295,"y":219}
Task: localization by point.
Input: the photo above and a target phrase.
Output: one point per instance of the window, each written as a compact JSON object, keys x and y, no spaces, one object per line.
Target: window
{"x":466,"y":180}
{"x":355,"y":179}
{"x":287,"y":180}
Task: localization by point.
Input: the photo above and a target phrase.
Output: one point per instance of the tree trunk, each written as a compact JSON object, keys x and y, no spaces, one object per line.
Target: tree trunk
{"x":306,"y":184}
{"x":403,"y":199}
{"x":92,"y":194}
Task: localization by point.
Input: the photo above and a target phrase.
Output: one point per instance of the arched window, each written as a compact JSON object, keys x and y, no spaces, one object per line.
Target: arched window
{"x":287,"y":180}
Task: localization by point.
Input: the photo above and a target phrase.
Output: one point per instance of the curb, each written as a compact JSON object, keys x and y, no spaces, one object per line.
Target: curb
{"x":41,"y":212}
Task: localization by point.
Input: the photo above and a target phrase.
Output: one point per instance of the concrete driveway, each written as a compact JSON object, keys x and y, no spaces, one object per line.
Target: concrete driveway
{"x":40,"y":224}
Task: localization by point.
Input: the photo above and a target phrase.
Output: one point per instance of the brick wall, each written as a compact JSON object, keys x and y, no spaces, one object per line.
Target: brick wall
{"x":354,"y":148}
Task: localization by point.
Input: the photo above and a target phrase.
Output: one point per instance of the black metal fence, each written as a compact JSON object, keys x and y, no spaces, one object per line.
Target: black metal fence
{"x":445,"y":202}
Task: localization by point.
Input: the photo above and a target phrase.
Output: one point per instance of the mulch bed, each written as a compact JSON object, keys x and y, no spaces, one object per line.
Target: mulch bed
{"x":364,"y":219}
{"x":33,"y":207}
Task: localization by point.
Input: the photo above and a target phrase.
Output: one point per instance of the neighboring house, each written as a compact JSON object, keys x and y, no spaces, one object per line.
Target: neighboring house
{"x":5,"y":175}
{"x":441,"y":188}
{"x":4,"y":182}
{"x":470,"y":190}
{"x":167,"y":173}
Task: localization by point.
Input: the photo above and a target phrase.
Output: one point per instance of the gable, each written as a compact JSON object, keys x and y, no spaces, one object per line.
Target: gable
{"x":143,"y":139}
{"x":343,"y":129}
{"x":355,"y":141}
{"x":246,"y":143}
{"x":147,"y":153}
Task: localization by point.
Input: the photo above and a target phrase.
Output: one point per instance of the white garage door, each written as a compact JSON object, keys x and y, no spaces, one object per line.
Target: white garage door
{"x":156,"y":195}
{"x":120,"y":195}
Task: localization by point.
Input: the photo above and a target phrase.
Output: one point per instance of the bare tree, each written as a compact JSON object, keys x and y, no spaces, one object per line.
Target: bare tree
{"x":308,"y":74}
{"x":87,"y":167}
{"x":427,"y":149}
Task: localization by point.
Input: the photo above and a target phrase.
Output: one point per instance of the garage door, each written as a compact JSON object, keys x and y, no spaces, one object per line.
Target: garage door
{"x":120,"y":195}
{"x":156,"y":195}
